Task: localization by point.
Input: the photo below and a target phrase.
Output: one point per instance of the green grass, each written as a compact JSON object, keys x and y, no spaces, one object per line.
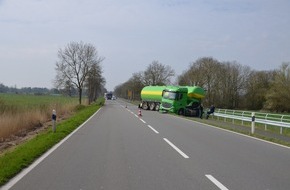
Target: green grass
{"x":270,"y":128}
{"x":13,"y":161}
{"x":13,"y":103}
{"x":226,"y":124}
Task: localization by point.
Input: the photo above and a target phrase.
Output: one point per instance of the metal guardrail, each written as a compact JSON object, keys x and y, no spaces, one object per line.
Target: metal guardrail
{"x":268,"y":119}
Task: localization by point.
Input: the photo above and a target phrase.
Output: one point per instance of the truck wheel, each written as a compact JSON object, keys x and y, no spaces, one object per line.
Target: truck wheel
{"x":145,"y":106}
{"x":180,"y":112}
{"x":157,"y":107}
{"x":152,"y":106}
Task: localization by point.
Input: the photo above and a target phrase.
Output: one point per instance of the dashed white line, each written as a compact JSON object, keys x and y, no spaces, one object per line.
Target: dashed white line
{"x":216,"y":182}
{"x":153,"y":129}
{"x":176,"y":148}
{"x":142,"y":120}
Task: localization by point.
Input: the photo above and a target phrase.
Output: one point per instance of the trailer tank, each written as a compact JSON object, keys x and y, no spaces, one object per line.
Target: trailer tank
{"x":194,"y":95}
{"x":151,"y":97}
{"x":195,"y":92}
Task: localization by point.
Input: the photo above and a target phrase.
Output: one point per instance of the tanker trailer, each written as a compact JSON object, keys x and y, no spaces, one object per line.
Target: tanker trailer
{"x":151,"y":97}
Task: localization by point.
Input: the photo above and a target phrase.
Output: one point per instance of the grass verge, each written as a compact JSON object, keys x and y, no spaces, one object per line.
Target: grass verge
{"x":271,"y":137}
{"x":13,"y":161}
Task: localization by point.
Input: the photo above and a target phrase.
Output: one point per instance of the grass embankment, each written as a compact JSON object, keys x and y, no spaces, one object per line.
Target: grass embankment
{"x":272,"y":136}
{"x":259,"y":126}
{"x":13,"y":161}
{"x":19,"y":113}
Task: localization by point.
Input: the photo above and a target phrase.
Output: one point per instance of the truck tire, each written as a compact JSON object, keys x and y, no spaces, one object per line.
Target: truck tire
{"x":145,"y":106}
{"x":180,"y":112}
{"x":157,"y":107}
{"x":152,"y":106}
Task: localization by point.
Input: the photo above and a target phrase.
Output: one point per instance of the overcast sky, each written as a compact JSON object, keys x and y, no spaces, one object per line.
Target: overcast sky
{"x":130,"y":34}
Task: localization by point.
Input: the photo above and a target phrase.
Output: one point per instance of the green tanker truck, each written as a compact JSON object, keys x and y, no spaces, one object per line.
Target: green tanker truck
{"x":151,"y":97}
{"x":183,"y":100}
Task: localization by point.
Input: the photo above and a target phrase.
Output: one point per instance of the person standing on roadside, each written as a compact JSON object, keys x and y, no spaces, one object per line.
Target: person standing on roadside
{"x":200,"y":111}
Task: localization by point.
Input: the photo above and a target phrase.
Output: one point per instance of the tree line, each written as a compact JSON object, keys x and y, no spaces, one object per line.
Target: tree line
{"x":228,"y":84}
{"x":26,"y":90}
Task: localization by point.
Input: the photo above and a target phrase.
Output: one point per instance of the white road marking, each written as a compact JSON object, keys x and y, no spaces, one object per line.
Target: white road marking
{"x":136,"y":116}
{"x":153,"y":129}
{"x":142,"y":120}
{"x":229,"y":131}
{"x":176,"y":148}
{"x":216,"y":182}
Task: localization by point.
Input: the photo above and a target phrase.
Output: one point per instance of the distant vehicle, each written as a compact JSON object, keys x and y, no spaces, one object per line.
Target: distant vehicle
{"x":109,"y":96}
{"x":114,"y":97}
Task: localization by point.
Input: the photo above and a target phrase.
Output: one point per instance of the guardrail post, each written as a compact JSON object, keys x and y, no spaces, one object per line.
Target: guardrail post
{"x":266,"y":123}
{"x":53,"y":117}
{"x":281,"y":128}
{"x":243,"y":117}
{"x":253,"y":123}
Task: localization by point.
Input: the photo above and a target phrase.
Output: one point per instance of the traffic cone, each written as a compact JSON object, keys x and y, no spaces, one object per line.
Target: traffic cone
{"x":139,"y":112}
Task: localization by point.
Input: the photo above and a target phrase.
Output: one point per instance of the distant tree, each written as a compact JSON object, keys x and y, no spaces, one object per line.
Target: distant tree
{"x":74,"y":65}
{"x":68,"y":88}
{"x":158,"y":74}
{"x":224,"y":82}
{"x":277,"y":98}
{"x":120,"y":91}
{"x":134,"y":85}
{"x":95,"y":81}
{"x":232,"y":83}
{"x":256,"y":89}
{"x":3,"y":88}
{"x":204,"y":72}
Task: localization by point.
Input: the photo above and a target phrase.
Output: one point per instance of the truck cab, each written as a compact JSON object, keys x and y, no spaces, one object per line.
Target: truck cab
{"x":174,"y":99}
{"x":109,"y":95}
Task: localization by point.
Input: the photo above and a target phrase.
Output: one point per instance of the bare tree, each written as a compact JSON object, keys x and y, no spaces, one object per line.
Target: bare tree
{"x":256,"y":89}
{"x":68,"y":88}
{"x":158,"y":74}
{"x":205,"y":72}
{"x":74,"y":64}
{"x":277,"y":98}
{"x":95,"y":81}
{"x":224,"y":82}
{"x":134,"y":85}
{"x":232,"y":83}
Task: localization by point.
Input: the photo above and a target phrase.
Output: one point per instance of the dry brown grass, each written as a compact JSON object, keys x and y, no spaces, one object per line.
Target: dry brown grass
{"x":16,"y":122}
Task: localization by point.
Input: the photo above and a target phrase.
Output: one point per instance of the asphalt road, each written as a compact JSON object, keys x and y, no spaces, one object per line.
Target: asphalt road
{"x":117,"y":149}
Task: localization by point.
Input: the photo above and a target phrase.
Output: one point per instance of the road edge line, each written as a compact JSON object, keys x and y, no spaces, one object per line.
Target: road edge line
{"x":25,"y":171}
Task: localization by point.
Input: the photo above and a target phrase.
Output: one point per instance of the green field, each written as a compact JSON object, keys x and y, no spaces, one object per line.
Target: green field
{"x":15,"y":102}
